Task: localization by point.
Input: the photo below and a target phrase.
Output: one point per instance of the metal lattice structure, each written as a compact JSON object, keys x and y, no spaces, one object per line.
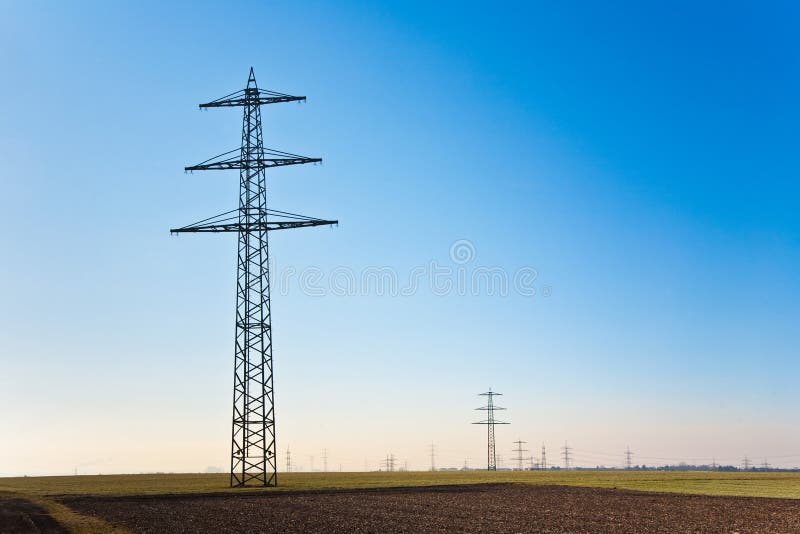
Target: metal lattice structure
{"x":490,"y":421}
{"x":519,"y":450}
{"x":253,"y":446}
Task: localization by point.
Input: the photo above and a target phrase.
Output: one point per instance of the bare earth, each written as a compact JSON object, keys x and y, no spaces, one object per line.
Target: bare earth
{"x":19,"y":515}
{"x":474,"y":508}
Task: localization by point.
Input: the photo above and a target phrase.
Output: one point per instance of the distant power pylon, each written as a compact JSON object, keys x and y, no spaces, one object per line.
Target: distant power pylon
{"x":746,"y":463}
{"x":628,"y":455}
{"x":311,"y":461}
{"x":325,"y":460}
{"x":490,"y":421}
{"x":765,"y":465}
{"x":543,"y":462}
{"x":389,"y":462}
{"x":433,"y":458}
{"x":253,"y":445}
{"x":713,"y":463}
{"x":519,"y":450}
{"x":288,"y":460}
{"x":565,"y":454}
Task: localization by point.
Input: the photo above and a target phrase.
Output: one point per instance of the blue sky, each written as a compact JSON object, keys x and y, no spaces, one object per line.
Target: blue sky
{"x":642,"y":159}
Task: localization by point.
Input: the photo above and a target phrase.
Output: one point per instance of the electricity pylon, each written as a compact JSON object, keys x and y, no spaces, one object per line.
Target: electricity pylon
{"x":253,"y":448}
{"x":389,"y":462}
{"x":490,"y":421}
{"x":628,"y":456}
{"x":565,"y":454}
{"x":519,"y":450}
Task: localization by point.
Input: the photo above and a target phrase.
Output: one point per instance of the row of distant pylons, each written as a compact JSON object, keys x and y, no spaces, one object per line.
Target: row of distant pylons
{"x":521,"y":459}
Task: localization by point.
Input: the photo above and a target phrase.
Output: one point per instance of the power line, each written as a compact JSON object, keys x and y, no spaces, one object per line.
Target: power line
{"x":490,"y":421}
{"x":519,"y":450}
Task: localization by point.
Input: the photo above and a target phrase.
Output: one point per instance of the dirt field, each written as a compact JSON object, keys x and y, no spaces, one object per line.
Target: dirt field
{"x":20,"y":515}
{"x":472,"y":508}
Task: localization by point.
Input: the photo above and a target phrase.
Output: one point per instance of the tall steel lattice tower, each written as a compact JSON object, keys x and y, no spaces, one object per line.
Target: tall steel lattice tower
{"x":253,"y":448}
{"x":490,"y":421}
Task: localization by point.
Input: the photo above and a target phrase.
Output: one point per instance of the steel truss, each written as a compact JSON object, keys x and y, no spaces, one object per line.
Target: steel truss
{"x":253,"y":446}
{"x":490,"y":421}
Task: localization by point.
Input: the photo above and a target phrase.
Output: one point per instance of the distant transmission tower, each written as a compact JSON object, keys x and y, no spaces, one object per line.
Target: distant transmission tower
{"x":491,"y":457}
{"x":288,"y":460}
{"x":628,"y":455}
{"x":746,"y":463}
{"x":543,"y":463}
{"x":765,"y":465}
{"x":433,"y":458}
{"x":325,"y":460}
{"x":390,"y":462}
{"x":519,"y":450}
{"x":565,"y":454}
{"x":253,"y":452}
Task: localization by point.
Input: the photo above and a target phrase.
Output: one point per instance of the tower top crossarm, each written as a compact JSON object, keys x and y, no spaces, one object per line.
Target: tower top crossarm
{"x":490,"y":407}
{"x":251,"y":96}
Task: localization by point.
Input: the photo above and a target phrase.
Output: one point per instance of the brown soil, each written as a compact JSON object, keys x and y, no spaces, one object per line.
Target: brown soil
{"x":477,"y":508}
{"x":19,"y":515}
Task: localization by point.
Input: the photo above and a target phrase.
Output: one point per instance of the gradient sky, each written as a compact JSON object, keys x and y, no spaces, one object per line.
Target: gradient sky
{"x":644,"y":160}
